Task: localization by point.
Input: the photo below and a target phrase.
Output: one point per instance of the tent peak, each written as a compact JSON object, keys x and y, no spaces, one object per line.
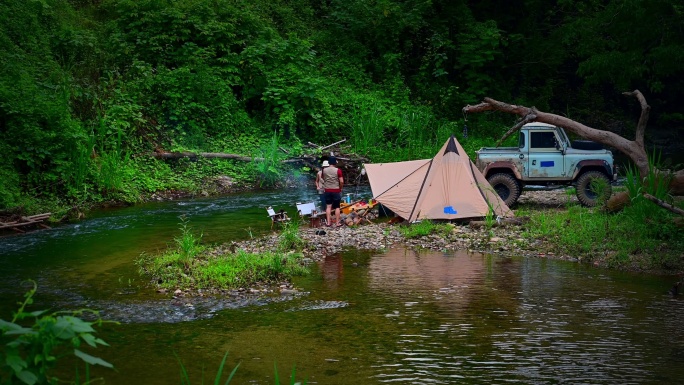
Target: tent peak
{"x":451,"y":146}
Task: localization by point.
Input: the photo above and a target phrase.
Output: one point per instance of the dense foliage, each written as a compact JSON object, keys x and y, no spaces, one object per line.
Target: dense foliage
{"x":88,"y":88}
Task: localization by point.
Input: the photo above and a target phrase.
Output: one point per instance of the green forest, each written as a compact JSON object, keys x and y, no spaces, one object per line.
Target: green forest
{"x":90,"y":88}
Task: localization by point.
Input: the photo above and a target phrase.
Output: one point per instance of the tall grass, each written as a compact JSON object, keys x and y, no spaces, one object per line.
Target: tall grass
{"x":290,"y":238}
{"x":367,"y":128}
{"x":112,"y":159}
{"x":654,"y":183}
{"x":185,"y":378}
{"x":188,"y":243}
{"x":616,"y":240}
{"x":269,"y":168}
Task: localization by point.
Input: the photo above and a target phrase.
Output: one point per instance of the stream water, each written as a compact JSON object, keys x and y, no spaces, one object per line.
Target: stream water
{"x":397,"y":316}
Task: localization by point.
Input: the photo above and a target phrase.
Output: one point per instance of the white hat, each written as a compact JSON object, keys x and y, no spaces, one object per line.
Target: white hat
{"x":325,"y":163}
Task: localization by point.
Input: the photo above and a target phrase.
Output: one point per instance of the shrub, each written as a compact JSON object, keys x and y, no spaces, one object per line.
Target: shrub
{"x":32,"y":349}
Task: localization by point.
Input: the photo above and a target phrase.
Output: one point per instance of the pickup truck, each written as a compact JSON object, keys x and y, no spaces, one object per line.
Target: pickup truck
{"x":545,"y":156}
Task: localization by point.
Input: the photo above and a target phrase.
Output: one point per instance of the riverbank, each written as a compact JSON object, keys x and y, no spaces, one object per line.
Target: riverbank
{"x":557,"y":228}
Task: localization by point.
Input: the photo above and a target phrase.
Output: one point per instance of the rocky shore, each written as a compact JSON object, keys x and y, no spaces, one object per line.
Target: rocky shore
{"x":505,"y":240}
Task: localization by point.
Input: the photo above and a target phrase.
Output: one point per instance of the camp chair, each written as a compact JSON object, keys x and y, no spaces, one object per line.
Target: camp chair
{"x":279,"y":217}
{"x":308,"y":210}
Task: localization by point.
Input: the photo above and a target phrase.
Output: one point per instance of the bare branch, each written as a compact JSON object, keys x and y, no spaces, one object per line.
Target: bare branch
{"x":330,"y":145}
{"x":634,"y":150}
{"x":643,"y":119}
{"x":664,"y":204}
{"x":530,"y":117}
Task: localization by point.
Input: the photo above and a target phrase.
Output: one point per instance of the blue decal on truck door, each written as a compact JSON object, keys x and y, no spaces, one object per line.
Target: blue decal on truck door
{"x":548,"y":163}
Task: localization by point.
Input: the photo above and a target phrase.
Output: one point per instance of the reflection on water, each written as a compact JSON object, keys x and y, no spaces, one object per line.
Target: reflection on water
{"x":397,"y":316}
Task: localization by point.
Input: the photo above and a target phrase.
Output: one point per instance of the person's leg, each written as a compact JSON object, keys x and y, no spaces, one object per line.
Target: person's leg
{"x":328,"y":208}
{"x":323,"y":204}
{"x":336,"y":197}
{"x":327,"y":214}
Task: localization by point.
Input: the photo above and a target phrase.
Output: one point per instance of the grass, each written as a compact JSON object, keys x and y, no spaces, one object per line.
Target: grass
{"x":423,"y":228}
{"x":244,"y":269}
{"x":624,"y":240}
{"x":185,"y":378}
{"x":642,"y":236}
{"x":269,"y":169}
{"x":190,"y":265}
{"x":289,"y":238}
{"x":228,"y":271}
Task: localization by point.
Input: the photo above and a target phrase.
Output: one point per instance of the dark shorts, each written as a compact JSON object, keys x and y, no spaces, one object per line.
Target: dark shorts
{"x":322,"y":198}
{"x":333,"y":199}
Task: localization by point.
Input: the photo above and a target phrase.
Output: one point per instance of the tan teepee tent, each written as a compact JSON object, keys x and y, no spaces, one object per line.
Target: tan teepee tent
{"x":448,"y":186}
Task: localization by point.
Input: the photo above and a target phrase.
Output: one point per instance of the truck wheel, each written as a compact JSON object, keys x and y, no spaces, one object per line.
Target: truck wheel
{"x":506,"y":186}
{"x":588,"y":192}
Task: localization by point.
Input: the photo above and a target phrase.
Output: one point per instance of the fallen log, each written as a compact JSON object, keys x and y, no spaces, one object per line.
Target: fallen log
{"x":25,"y":221}
{"x":15,"y":225}
{"x":187,"y":154}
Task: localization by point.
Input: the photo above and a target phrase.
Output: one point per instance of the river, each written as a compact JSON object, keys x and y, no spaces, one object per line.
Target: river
{"x":396,"y":316}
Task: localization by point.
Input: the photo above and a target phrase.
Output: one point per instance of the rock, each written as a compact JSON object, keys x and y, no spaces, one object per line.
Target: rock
{"x":224,"y":181}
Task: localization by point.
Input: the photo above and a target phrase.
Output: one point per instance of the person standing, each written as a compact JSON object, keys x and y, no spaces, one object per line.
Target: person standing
{"x":319,"y":185}
{"x":333,"y":182}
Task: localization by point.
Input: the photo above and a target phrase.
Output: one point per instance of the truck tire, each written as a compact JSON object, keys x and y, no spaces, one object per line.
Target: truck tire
{"x":585,"y":192}
{"x":506,"y":186}
{"x":586,"y":145}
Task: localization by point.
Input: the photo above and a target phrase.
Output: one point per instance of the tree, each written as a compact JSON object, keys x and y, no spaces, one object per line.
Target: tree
{"x":634,"y":149}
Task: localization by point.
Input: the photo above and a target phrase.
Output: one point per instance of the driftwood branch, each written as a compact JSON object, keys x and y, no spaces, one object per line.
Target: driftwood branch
{"x":331,"y":145}
{"x":664,"y":204}
{"x":530,"y":117}
{"x":643,"y":118}
{"x":633,"y":149}
{"x":26,"y":221}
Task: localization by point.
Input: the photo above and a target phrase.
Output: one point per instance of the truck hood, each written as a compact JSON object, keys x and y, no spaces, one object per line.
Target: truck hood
{"x":592,"y":152}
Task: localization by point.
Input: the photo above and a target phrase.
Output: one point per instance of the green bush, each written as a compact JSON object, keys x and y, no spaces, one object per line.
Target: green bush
{"x":34,"y":343}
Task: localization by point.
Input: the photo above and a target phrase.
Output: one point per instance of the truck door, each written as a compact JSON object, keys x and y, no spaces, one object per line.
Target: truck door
{"x":545,"y":156}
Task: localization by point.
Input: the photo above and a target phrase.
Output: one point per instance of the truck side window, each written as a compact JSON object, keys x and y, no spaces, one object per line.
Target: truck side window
{"x":521,"y":140}
{"x":542,"y":140}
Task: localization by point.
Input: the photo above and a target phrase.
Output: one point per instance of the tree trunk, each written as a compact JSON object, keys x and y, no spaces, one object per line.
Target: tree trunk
{"x":634,"y":149}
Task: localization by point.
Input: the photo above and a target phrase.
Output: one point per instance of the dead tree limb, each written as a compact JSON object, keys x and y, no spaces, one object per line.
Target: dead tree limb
{"x":643,"y":118}
{"x":530,"y":117}
{"x":664,"y":204}
{"x":634,"y":149}
{"x":630,"y":148}
{"x":336,"y":143}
